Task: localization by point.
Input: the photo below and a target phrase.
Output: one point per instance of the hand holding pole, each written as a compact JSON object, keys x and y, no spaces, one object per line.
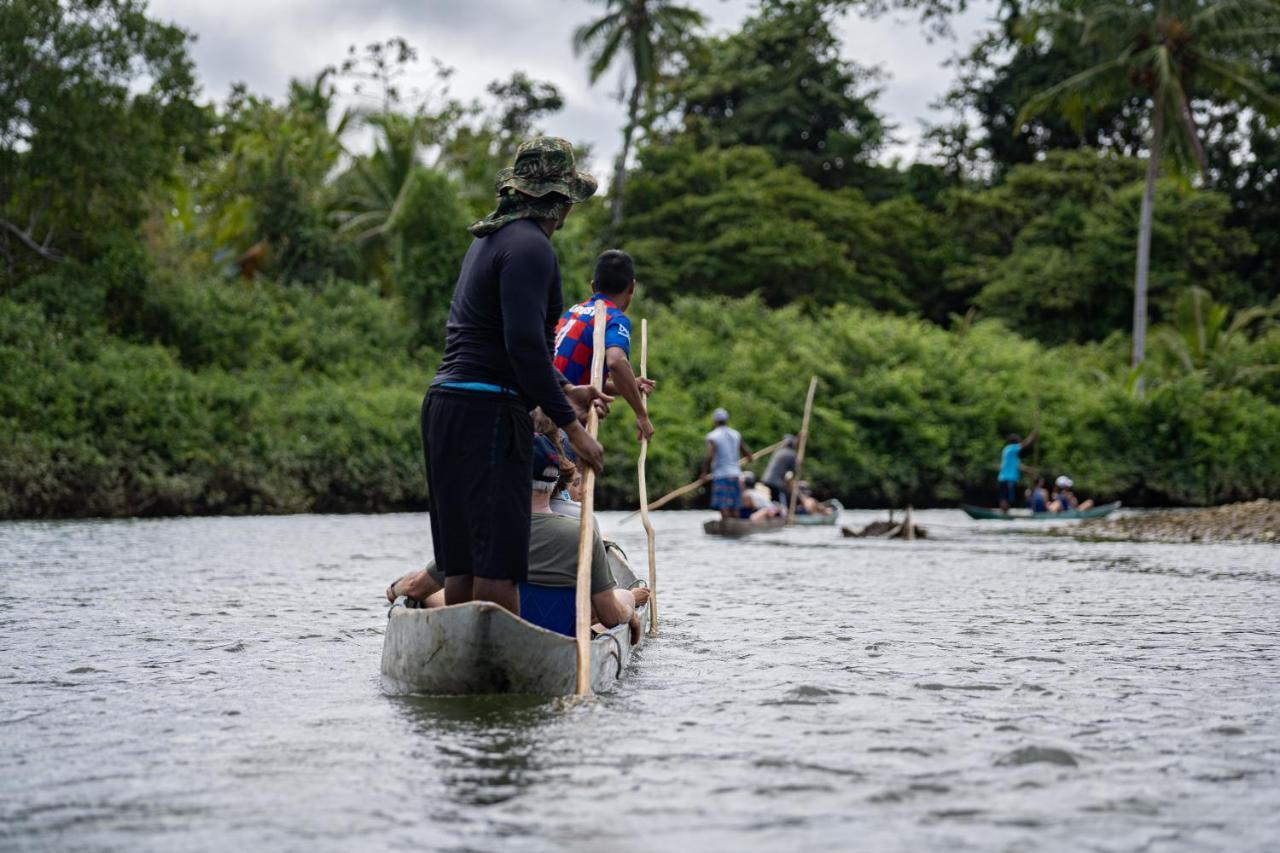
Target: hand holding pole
{"x":586,"y":528}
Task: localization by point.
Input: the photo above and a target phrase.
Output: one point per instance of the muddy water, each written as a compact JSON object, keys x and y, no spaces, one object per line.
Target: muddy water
{"x":212,"y":684}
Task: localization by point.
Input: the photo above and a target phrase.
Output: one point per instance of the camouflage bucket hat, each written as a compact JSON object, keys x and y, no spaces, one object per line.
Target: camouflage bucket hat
{"x":545,"y":165}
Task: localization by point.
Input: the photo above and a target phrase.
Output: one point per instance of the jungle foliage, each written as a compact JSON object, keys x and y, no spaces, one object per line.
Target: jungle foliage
{"x":235,"y":305}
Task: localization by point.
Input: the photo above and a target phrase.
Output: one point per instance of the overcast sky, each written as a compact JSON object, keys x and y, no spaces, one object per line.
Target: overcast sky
{"x":265,"y":42}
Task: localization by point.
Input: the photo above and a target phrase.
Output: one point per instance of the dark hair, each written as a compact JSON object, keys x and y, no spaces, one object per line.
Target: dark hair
{"x":614,"y":271}
{"x":1013,"y":438}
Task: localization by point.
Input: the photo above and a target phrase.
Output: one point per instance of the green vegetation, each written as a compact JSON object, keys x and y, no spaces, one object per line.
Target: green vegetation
{"x":647,"y":31}
{"x":235,"y":307}
{"x":1170,"y":53}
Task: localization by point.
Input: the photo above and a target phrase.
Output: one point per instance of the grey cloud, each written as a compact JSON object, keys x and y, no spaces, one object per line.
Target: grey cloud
{"x":265,"y":43}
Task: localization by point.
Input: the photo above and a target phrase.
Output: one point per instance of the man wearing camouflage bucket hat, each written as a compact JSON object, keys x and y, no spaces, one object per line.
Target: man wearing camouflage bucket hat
{"x":477,"y":432}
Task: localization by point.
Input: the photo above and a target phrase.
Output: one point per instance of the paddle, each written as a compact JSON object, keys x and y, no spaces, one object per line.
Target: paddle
{"x":685,"y":489}
{"x":644,"y":487}
{"x":586,"y":529}
{"x":804,"y":436}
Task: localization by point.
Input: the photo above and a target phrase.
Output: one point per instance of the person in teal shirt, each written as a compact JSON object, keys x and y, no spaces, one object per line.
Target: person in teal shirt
{"x":1011,"y":467}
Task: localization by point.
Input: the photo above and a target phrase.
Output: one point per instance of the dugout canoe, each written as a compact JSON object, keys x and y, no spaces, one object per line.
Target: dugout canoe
{"x":1020,"y":514}
{"x":736,"y":528}
{"x":805,"y":518}
{"x":481,"y":648}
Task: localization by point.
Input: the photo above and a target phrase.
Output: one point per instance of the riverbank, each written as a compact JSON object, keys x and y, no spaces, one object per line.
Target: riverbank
{"x":1253,"y":521}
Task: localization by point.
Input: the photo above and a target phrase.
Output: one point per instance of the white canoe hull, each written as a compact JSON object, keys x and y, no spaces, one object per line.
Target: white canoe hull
{"x":481,"y":648}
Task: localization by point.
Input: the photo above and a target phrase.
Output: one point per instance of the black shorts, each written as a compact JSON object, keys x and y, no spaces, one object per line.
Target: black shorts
{"x":479,"y":454}
{"x":1009,"y":491}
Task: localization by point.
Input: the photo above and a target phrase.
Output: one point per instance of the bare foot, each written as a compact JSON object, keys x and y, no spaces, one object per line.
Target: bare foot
{"x":391,"y":590}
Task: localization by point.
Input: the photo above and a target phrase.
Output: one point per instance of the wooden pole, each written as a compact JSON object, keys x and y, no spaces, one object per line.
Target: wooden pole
{"x":644,"y":487}
{"x":689,"y":487}
{"x":1035,"y":427}
{"x":804,"y":437}
{"x":586,"y":529}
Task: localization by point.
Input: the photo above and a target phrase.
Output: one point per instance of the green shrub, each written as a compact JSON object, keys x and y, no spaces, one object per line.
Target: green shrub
{"x":277,"y":399}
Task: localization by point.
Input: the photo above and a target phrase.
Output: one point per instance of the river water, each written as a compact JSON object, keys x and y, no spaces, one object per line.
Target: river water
{"x":212,"y":684}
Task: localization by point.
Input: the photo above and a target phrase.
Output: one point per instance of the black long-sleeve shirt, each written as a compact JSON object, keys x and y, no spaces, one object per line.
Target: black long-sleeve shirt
{"x":503,"y":317}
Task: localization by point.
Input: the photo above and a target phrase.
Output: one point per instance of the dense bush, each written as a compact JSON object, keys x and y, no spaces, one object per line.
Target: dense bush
{"x":731,"y":221}
{"x":273,"y":399}
{"x":1053,"y":246}
{"x":909,"y":412}
{"x":276,"y":403}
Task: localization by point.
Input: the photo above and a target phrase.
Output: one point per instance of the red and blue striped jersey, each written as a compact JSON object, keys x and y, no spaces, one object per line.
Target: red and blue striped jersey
{"x":574,"y":335}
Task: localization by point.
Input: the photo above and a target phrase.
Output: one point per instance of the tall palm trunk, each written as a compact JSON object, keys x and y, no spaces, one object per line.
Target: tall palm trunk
{"x":1144,"y":240}
{"x":620,"y":166}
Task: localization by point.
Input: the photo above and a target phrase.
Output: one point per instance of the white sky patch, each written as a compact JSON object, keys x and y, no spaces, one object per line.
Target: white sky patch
{"x":263,"y":43}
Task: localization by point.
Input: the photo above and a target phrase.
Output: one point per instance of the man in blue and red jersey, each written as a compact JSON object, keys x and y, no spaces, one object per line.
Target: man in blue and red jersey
{"x":614,"y":285}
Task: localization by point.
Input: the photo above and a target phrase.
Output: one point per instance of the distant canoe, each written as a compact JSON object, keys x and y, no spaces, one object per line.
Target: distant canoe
{"x":481,"y":648}
{"x":735,"y":528}
{"x":811,"y":518}
{"x":1019,"y":514}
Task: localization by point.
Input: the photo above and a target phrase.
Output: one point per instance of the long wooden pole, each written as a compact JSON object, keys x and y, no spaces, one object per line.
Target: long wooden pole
{"x":644,"y":486}
{"x":586,"y":529}
{"x":689,"y":487}
{"x":804,"y":437}
{"x":1035,"y":427}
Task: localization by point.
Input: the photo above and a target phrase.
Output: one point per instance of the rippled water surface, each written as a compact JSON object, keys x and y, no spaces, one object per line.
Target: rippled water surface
{"x":212,"y":684}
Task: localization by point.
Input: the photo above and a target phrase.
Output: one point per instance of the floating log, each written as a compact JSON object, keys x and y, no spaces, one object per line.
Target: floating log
{"x":885,"y":530}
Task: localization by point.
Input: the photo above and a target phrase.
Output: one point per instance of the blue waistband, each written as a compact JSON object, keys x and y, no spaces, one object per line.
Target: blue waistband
{"x":478,"y":386}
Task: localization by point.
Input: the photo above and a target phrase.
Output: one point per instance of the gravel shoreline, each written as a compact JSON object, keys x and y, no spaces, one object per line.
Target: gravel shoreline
{"x":1254,"y":521}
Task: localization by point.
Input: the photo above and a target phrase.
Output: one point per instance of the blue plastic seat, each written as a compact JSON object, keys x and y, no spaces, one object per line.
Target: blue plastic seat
{"x":553,"y":608}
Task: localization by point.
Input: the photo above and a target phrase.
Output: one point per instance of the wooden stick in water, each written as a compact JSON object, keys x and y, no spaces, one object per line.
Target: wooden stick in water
{"x":804,"y":435}
{"x":586,"y":529}
{"x":644,"y":487}
{"x":689,"y":487}
{"x":1035,"y":427}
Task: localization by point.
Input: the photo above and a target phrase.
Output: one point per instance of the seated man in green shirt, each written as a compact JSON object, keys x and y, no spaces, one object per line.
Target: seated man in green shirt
{"x":553,"y":556}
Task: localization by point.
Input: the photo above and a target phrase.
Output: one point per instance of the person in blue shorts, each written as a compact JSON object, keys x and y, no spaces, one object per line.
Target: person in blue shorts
{"x":1011,"y":467}
{"x":496,"y":370}
{"x":724,"y":447}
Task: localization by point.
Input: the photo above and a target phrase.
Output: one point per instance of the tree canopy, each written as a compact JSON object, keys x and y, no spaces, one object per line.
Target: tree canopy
{"x":781,"y":84}
{"x":97,"y":106}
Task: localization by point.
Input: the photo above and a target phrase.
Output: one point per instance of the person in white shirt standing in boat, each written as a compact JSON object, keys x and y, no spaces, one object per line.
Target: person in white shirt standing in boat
{"x":724,"y":446}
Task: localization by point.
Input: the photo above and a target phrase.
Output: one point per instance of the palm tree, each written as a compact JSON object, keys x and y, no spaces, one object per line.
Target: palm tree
{"x":373,"y":195}
{"x":1201,"y":328}
{"x":383,"y":177}
{"x":1169,"y":54}
{"x":644,"y":30}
